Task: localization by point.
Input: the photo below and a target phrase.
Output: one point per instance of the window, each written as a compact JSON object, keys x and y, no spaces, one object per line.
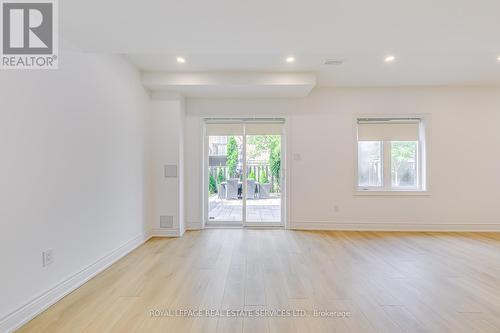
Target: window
{"x":404,"y":164}
{"x":389,"y":154}
{"x":370,"y":163}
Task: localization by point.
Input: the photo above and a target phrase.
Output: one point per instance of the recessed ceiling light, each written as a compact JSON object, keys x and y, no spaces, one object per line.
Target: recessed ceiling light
{"x":181,"y":60}
{"x":290,"y":60}
{"x":389,"y":58}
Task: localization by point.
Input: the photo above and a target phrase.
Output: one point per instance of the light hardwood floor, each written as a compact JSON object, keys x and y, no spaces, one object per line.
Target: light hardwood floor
{"x":388,"y":282}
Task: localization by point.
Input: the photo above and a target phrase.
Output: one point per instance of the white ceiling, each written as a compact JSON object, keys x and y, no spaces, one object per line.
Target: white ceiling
{"x":437,"y":42}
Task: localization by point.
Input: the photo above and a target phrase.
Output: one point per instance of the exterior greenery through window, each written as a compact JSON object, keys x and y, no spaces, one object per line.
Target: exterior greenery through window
{"x":232,"y":156}
{"x":389,"y":154}
{"x":403,"y":163}
{"x":270,"y":144}
{"x":264,"y":161}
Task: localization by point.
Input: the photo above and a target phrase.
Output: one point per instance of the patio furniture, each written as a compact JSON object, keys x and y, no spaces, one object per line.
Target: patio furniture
{"x":232,"y":188}
{"x":250,"y":189}
{"x":264,"y":191}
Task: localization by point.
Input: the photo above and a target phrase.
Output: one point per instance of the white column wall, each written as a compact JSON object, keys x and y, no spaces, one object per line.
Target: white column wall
{"x":168,"y":149}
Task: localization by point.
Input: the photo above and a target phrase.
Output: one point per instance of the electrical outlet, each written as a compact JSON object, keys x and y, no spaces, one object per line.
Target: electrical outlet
{"x":47,"y":257}
{"x":336,"y":208}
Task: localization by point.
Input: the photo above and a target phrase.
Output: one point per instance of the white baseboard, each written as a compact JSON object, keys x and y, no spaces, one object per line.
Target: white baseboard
{"x":400,"y":226}
{"x":21,"y":316}
{"x":379,"y":226}
{"x":194,"y":225}
{"x":157,"y":232}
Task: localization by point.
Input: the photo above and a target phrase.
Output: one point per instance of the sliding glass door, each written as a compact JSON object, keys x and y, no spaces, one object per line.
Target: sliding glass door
{"x":225,"y":173}
{"x":244,"y":173}
{"x":263,"y":173}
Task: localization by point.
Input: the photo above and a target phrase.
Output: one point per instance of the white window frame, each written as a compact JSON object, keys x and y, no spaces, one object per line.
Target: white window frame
{"x":422,"y":160}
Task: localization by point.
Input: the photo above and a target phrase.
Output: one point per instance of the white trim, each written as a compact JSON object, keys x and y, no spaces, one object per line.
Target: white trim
{"x":244,"y":120}
{"x":204,"y":172}
{"x":244,"y":174}
{"x":224,"y":227}
{"x":264,"y":224}
{"x":22,"y":315}
{"x":219,"y":223}
{"x":158,"y":232}
{"x":284,"y":181}
{"x":393,"y":193}
{"x":401,"y":226}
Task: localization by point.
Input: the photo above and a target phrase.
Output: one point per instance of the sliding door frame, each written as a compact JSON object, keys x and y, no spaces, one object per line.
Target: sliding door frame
{"x":283,"y":176}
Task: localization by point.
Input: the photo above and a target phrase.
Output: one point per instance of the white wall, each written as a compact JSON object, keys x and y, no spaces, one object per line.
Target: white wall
{"x":464,"y":135}
{"x":74,"y":160}
{"x":168,"y":149}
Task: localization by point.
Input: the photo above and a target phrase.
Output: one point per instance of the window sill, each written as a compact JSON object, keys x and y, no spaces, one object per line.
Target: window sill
{"x":390,"y":193}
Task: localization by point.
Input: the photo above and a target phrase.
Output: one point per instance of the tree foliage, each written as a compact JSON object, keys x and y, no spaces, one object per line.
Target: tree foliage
{"x":232,"y":156}
{"x":271,"y":144}
{"x":275,"y":162}
{"x":401,"y":151}
{"x":212,"y":185}
{"x":263,"y":143}
{"x":263,"y":179}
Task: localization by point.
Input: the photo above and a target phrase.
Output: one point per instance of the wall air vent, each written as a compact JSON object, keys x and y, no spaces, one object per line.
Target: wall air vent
{"x":334,"y":62}
{"x":166,"y":221}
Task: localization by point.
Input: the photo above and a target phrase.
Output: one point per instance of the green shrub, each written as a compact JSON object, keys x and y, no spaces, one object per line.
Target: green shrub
{"x":232,"y":156}
{"x":212,"y":185}
{"x":251,"y":175}
{"x":220,"y":176}
{"x":275,"y":162}
{"x":263,"y":177}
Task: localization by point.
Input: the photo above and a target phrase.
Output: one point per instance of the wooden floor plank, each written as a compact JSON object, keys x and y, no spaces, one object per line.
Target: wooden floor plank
{"x":384,"y":281}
